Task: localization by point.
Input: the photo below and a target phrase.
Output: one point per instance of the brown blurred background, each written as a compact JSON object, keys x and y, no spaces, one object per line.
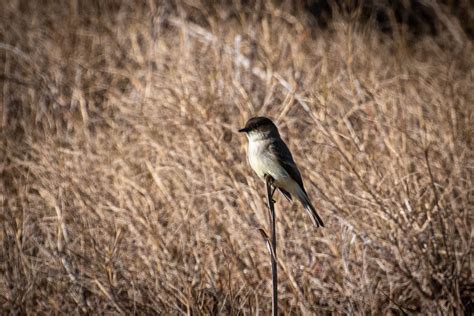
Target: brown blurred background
{"x":124,"y":184}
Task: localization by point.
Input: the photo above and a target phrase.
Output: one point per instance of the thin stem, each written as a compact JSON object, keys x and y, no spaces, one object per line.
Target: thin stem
{"x":272,"y":216}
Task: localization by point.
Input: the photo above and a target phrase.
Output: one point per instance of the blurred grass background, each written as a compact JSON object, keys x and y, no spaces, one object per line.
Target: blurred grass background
{"x":125,"y":187}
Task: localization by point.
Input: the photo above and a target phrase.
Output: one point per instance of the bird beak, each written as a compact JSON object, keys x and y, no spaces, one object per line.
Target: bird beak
{"x":243,"y":130}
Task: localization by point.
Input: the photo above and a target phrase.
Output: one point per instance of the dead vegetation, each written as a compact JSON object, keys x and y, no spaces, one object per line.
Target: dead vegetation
{"x":124,"y":184}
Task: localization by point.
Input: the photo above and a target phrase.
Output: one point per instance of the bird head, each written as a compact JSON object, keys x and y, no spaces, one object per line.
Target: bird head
{"x":259,"y":127}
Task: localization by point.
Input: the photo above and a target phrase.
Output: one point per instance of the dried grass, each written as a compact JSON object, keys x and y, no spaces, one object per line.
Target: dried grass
{"x":125,"y":187}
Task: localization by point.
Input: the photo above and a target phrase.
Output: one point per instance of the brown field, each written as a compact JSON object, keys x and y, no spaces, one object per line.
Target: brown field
{"x":125,"y":187}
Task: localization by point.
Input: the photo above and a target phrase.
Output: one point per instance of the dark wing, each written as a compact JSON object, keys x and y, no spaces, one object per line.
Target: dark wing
{"x":286,"y":194}
{"x":283,"y":154}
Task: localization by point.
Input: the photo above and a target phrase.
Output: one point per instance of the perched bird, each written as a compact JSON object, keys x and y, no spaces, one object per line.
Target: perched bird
{"x":268,"y":155}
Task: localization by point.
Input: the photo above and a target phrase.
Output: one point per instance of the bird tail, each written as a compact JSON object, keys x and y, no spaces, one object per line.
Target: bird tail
{"x":303,"y":197}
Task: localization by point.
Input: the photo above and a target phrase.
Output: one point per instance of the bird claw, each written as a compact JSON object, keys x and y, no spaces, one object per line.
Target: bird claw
{"x":269,"y":179}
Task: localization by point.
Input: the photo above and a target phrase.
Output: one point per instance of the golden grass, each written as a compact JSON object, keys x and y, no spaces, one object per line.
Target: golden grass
{"x":124,"y":183}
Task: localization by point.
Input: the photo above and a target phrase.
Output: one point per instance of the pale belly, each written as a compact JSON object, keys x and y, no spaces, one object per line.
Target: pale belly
{"x":264,"y":163}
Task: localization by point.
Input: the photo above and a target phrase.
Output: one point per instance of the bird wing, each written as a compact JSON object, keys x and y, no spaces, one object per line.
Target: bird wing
{"x":279,"y":149}
{"x":286,"y":194}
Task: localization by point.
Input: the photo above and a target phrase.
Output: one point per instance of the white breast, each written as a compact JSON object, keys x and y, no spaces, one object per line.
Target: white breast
{"x":263,"y":162}
{"x":253,"y":153}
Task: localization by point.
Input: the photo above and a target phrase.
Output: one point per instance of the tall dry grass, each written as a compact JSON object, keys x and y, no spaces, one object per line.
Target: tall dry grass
{"x":125,"y":187}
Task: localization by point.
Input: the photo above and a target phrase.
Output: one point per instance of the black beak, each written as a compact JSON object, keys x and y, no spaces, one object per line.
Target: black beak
{"x":243,"y":130}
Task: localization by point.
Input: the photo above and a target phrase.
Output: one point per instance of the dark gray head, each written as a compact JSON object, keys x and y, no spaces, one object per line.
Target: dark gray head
{"x":260,"y":126}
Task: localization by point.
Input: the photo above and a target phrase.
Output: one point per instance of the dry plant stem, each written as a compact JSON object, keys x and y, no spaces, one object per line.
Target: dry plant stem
{"x":118,"y":121}
{"x":62,"y":251}
{"x":272,"y":218}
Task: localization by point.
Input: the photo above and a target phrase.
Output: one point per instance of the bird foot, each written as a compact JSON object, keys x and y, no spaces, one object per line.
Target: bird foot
{"x":270,"y":181}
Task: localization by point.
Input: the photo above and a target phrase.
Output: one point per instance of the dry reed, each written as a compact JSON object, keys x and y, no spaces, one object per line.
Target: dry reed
{"x":125,"y":188}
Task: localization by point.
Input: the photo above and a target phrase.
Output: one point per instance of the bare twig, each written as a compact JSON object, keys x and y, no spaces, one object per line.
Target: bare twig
{"x":436,"y":201}
{"x":63,"y":253}
{"x":273,"y":248}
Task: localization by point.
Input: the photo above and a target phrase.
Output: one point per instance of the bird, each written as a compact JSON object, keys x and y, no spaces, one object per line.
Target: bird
{"x":269,"y":156}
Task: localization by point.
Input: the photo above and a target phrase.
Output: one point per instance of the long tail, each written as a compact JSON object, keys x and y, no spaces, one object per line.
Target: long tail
{"x":303,"y":197}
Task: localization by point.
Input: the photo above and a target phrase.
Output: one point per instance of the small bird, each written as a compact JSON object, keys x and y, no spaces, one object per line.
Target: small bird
{"x":268,"y":155}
